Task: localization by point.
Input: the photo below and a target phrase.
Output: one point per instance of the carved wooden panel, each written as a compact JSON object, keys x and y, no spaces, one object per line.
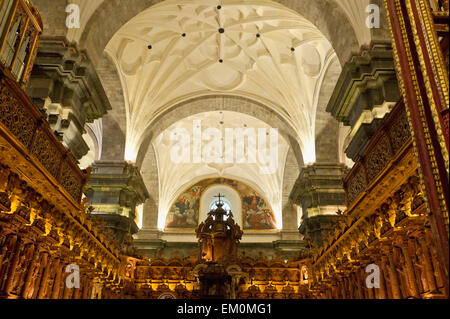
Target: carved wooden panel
{"x":380,"y":152}
{"x":356,"y":185}
{"x":14,"y":116}
{"x":399,"y":132}
{"x":378,"y":158}
{"x":46,"y":152}
{"x":71,"y":180}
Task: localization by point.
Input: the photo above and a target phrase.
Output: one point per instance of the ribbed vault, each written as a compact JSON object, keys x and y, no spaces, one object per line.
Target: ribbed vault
{"x":260,"y":50}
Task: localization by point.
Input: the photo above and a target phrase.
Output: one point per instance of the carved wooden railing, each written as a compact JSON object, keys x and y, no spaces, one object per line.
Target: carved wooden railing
{"x":24,"y":125}
{"x":20,"y":120}
{"x":389,"y":140}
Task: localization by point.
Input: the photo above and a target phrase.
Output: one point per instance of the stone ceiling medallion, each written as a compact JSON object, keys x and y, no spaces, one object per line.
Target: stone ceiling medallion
{"x":220,"y":78}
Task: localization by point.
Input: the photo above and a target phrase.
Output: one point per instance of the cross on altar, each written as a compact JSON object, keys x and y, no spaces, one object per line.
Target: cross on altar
{"x":220,"y":196}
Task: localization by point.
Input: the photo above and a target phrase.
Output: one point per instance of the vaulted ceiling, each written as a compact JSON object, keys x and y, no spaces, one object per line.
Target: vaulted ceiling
{"x":259,"y":50}
{"x":174,"y":51}
{"x":174,"y":178}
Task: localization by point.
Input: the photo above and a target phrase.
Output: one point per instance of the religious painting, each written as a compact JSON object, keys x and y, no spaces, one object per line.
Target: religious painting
{"x":184,"y":213}
{"x":257,"y":214}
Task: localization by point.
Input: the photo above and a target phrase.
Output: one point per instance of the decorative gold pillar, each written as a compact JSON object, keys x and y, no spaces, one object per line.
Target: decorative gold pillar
{"x":362,"y":283}
{"x":382,"y":292}
{"x":356,"y":283}
{"x":411,"y":276}
{"x":52,"y":283}
{"x":57,"y":284}
{"x":12,"y":269}
{"x":439,"y":269}
{"x":428,"y":268}
{"x":348,"y":288}
{"x":395,"y":282}
{"x":7,"y":255}
{"x":43,"y":263}
{"x":44,"y":278}
{"x":29,"y":276}
{"x":424,"y":85}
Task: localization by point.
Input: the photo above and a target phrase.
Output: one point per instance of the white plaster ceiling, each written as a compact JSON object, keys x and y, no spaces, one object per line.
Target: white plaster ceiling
{"x":354,"y":9}
{"x":283,"y":68}
{"x":357,"y":15}
{"x":87,"y":9}
{"x":175,"y":178}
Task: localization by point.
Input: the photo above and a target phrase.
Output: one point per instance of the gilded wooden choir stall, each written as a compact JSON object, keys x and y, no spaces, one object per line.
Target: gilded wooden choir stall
{"x":44,"y":227}
{"x":386,"y":224}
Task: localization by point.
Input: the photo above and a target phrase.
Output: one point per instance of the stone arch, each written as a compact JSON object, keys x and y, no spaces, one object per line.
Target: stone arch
{"x":149,"y":172}
{"x":114,"y":122}
{"x":289,"y":211}
{"x":147,"y":161}
{"x":326,"y":15}
{"x":211,"y":103}
{"x":327,"y":128}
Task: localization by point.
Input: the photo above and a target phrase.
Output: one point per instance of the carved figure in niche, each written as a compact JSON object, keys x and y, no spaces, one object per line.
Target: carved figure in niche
{"x":304,"y":274}
{"x":129,"y":270}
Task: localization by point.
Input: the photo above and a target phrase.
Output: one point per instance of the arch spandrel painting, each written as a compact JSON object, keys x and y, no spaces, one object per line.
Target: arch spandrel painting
{"x":185,"y":211}
{"x":257,"y":214}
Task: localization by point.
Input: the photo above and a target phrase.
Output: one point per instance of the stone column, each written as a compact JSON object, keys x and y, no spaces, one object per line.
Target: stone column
{"x":115,"y":189}
{"x":348,"y":287}
{"x":290,"y":238}
{"x":366,"y":91}
{"x":65,"y":86}
{"x":319,"y":192}
{"x":354,"y":283}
